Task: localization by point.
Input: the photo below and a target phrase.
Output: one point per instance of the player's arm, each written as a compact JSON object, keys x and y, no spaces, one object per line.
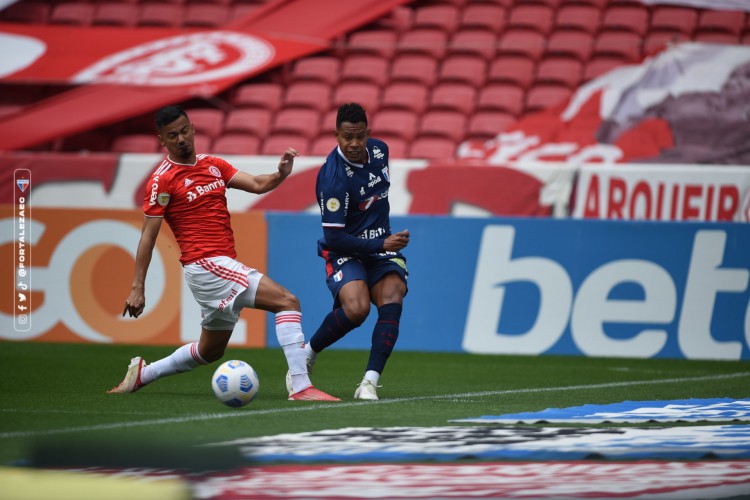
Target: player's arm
{"x":259,"y":184}
{"x":136,"y":301}
{"x":339,"y":240}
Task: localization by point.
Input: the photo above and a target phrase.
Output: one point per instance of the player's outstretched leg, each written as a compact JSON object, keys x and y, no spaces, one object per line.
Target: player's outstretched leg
{"x":184,"y":359}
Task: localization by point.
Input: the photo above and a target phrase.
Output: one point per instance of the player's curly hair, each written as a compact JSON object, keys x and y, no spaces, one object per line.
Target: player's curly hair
{"x":351,"y":112}
{"x":167,"y":115}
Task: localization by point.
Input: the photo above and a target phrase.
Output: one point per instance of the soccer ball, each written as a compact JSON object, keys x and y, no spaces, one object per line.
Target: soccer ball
{"x":235,"y":383}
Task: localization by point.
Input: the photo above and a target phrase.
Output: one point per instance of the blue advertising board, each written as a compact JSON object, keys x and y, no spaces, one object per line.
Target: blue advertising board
{"x":547,"y":286}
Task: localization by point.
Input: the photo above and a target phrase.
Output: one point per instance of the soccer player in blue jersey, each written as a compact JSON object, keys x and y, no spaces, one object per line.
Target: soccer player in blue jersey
{"x":362,"y":258}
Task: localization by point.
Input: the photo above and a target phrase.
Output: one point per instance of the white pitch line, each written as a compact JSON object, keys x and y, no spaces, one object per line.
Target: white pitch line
{"x":333,"y":406}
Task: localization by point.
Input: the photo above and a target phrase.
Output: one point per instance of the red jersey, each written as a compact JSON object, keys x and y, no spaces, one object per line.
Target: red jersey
{"x":192,"y":200}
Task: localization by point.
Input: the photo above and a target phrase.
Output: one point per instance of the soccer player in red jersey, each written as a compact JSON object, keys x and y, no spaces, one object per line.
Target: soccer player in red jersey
{"x":188,"y":191}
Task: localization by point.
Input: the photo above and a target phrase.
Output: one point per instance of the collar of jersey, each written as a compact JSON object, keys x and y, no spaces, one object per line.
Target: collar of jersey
{"x":346,"y":160}
{"x":186,"y":164}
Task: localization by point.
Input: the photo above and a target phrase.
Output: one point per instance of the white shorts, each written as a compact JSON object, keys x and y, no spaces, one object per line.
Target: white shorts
{"x":216,"y":283}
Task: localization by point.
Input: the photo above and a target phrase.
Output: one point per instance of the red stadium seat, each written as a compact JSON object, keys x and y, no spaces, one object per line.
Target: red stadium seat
{"x":453,"y":97}
{"x":160,"y":14}
{"x":512,"y":69}
{"x":77,"y":14}
{"x":84,"y":142}
{"x":276,"y":144}
{"x":576,"y":44}
{"x":436,"y":16}
{"x":501,"y":97}
{"x":464,"y":69}
{"x":322,"y":145}
{"x":446,"y":124}
{"x":522,"y":42}
{"x":628,"y":18}
{"x":260,"y":95}
{"x":318,"y":68}
{"x":366,"y":94}
{"x":314,"y":95}
{"x":560,"y":71}
{"x":487,"y":124}
{"x":726,"y":21}
{"x":116,"y":14}
{"x":679,"y":19}
{"x":719,"y":37}
{"x":405,"y":95}
{"x":415,"y":68}
{"x":600,"y":65}
{"x":136,"y":143}
{"x":533,"y":17}
{"x":545,"y":96}
{"x":553,"y":4}
{"x":397,"y":147}
{"x":398,"y":20}
{"x":622,"y":44}
{"x":302,"y":122}
{"x":380,"y":43}
{"x":26,"y":12}
{"x":328,"y":121}
{"x":429,"y":42}
{"x":205,"y":15}
{"x":237,"y":144}
{"x":474,"y":43}
{"x":396,"y":123}
{"x":657,"y":41}
{"x":433,"y":148}
{"x":483,"y":16}
{"x":578,"y":17}
{"x":248,"y":121}
{"x":371,"y":69}
{"x":207,"y":121}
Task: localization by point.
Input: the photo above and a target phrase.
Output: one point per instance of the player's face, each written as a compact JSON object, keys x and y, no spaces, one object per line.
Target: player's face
{"x":352,"y":139}
{"x":178,"y":137}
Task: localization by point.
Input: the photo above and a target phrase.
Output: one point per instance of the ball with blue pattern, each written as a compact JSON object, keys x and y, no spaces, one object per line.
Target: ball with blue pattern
{"x":235,"y":383}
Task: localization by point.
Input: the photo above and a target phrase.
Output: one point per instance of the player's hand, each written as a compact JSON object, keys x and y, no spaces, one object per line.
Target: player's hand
{"x":287,"y":162}
{"x":135,"y":303}
{"x":397,"y":241}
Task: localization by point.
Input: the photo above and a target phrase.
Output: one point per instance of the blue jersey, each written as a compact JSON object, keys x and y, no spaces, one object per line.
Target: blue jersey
{"x":354,"y":197}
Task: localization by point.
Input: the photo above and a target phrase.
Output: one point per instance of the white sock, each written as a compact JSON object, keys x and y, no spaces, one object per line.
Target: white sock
{"x":292,"y":340}
{"x":184,"y":359}
{"x":372,"y":376}
{"x":310,"y":353}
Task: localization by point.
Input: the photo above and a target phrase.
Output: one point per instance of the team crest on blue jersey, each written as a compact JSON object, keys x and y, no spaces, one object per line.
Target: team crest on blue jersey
{"x":333,"y":204}
{"x":386,"y":173}
{"x":214,"y":171}
{"x":377,"y":153}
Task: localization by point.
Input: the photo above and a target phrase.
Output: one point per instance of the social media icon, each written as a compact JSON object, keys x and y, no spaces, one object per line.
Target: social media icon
{"x":21,"y":297}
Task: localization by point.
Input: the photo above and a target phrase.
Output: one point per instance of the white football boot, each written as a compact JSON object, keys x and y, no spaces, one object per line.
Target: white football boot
{"x":366,"y":390}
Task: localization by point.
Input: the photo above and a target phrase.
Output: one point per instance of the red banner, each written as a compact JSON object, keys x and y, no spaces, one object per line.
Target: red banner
{"x":127,"y":72}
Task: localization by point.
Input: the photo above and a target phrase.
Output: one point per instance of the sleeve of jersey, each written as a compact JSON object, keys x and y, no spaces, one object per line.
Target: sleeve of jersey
{"x":339,"y":240}
{"x":156,"y":185}
{"x":227,"y":169}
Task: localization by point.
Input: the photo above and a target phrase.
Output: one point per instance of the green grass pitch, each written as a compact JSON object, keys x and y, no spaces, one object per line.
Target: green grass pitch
{"x":58,"y":392}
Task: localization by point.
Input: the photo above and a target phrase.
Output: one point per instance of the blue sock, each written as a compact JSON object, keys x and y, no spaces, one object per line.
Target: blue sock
{"x":384,"y":336}
{"x":333,"y":328}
